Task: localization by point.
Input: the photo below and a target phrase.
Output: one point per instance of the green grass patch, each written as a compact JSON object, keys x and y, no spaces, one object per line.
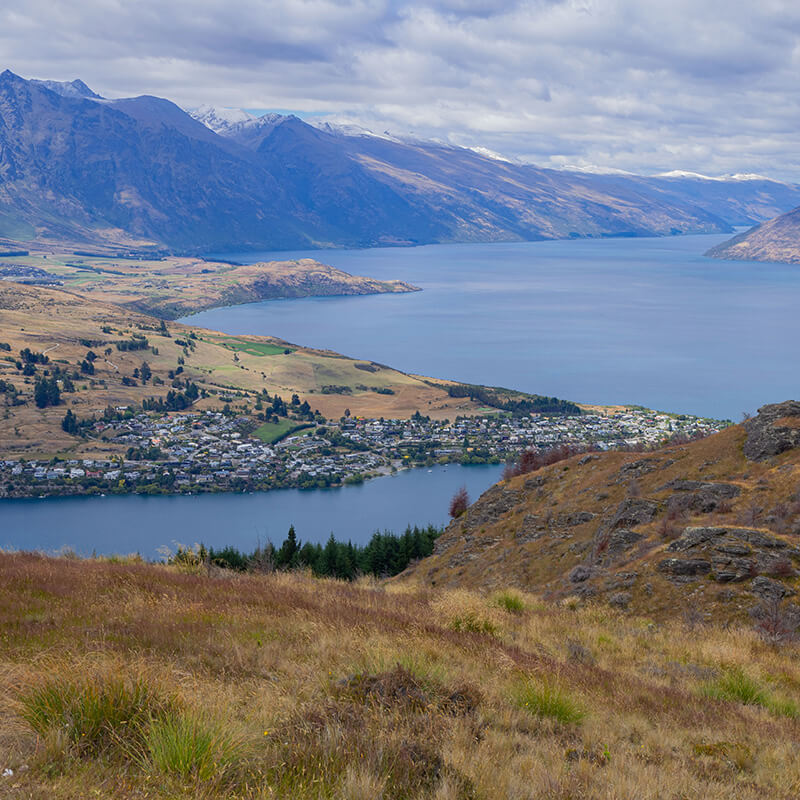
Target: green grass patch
{"x":734,"y":685}
{"x":548,"y":700}
{"x":472,"y":623}
{"x":92,"y":715}
{"x":272,"y":432}
{"x":251,"y":348}
{"x":188,"y":747}
{"x":510,"y":601}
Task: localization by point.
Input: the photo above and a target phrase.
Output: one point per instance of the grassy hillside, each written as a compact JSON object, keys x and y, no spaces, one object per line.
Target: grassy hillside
{"x":172,"y":287}
{"x":129,"y":680}
{"x":709,"y":528}
{"x":66,"y":327}
{"x":777,"y":239}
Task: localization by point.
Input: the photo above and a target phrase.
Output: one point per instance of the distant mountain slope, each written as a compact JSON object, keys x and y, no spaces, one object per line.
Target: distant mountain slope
{"x":706,"y":527}
{"x":775,"y":240}
{"x":141,"y":171}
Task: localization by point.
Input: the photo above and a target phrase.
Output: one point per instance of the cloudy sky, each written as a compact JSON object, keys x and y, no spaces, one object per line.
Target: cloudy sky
{"x":639,"y":85}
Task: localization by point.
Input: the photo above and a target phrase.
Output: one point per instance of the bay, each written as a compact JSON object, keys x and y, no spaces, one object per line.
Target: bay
{"x":123,"y":524}
{"x":646,"y":321}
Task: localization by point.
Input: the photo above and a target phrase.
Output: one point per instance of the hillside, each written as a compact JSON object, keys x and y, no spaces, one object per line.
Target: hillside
{"x":141,"y":174}
{"x":775,"y":240}
{"x":65,"y":327}
{"x":171,"y":287}
{"x":708,"y":529}
{"x":127,"y":680}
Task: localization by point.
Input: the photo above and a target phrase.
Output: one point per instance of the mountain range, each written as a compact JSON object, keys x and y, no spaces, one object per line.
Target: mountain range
{"x":143,"y":173}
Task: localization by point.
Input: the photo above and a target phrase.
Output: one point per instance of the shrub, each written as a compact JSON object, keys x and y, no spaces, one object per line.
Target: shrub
{"x":95,"y":714}
{"x":459,"y":503}
{"x":548,"y":700}
{"x":511,"y":602}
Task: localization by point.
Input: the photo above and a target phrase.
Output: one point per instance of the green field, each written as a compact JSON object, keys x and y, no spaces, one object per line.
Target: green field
{"x":251,"y":348}
{"x":271,"y":432}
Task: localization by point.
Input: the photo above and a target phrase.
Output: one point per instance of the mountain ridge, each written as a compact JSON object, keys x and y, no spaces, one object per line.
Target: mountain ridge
{"x":141,"y":172}
{"x":776,"y":240}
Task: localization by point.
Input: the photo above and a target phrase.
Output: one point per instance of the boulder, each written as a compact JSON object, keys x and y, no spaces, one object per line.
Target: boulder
{"x":769,"y":433}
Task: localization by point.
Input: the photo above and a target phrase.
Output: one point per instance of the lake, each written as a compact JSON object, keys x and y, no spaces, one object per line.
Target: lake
{"x":131,"y":523}
{"x":644,"y":321}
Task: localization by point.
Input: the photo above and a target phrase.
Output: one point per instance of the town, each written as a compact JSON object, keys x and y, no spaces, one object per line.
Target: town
{"x":201,"y":451}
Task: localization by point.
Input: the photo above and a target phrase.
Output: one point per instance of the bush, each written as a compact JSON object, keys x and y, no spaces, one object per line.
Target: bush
{"x":459,"y":503}
{"x":547,"y":700}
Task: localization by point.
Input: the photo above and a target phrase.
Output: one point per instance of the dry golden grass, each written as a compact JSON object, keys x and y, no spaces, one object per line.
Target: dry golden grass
{"x":55,"y":322}
{"x":318,"y":689}
{"x":520,"y":535}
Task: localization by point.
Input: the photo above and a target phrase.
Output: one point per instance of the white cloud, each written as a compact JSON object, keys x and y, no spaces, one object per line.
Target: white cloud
{"x":702,"y":85}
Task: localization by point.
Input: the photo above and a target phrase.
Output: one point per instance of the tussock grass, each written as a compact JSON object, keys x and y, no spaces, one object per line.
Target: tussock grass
{"x":291,"y":687}
{"x":735,"y":685}
{"x":470,"y":622}
{"x":91,"y":715}
{"x":548,"y":700}
{"x":188,"y":747}
{"x":510,"y":601}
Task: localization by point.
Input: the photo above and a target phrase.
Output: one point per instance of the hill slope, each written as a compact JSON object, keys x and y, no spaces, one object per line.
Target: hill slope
{"x":775,"y":240}
{"x":65,"y":327}
{"x":284,"y":686}
{"x":140,"y":172}
{"x":711,"y":527}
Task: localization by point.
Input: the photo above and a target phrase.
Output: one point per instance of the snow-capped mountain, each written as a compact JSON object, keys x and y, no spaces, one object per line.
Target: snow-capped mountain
{"x":76,"y":88}
{"x":221,"y":120}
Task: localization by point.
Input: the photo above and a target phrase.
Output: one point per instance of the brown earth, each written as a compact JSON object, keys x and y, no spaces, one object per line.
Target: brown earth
{"x":710,"y":528}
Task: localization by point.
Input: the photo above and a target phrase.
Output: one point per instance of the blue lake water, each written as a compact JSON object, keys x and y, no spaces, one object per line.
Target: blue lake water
{"x":645,"y":321}
{"x":131,"y":523}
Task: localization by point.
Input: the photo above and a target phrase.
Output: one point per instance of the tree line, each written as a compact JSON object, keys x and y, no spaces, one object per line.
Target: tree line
{"x":385,"y":554}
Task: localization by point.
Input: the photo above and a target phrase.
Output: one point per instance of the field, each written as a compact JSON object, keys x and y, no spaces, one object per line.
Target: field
{"x":251,"y":348}
{"x":231,"y":370}
{"x":132,"y":680}
{"x":178,"y":286}
{"x":271,"y":432}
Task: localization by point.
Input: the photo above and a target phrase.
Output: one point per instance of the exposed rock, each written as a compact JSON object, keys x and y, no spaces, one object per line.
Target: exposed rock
{"x":770,"y":589}
{"x":768,"y":434}
{"x":620,"y":599}
{"x":578,"y":518}
{"x":580,"y":573}
{"x":623,"y":580}
{"x":732,"y":569}
{"x":636,"y":469}
{"x":698,"y":496}
{"x":684,"y":567}
{"x":633,"y":511}
{"x":621,"y":540}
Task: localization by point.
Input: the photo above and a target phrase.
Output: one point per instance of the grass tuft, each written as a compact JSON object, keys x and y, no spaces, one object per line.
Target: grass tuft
{"x":548,"y":700}
{"x":187,"y":747}
{"x":91,"y":715}
{"x":470,"y":622}
{"x":735,"y":685}
{"x":510,"y":601}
